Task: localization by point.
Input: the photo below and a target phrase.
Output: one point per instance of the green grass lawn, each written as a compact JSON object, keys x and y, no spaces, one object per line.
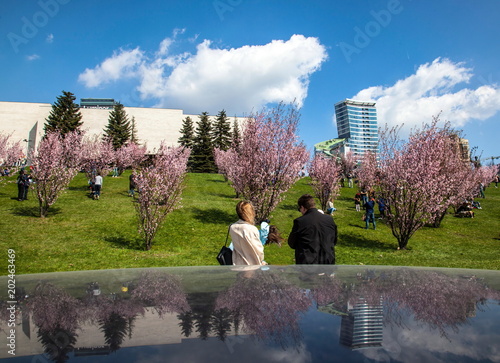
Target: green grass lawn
{"x":84,"y":234}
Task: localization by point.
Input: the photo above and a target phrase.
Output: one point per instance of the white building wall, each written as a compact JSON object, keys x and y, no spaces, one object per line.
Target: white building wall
{"x":153,"y":125}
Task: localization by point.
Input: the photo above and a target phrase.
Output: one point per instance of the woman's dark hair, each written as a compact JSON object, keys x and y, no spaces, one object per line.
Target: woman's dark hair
{"x":274,"y":236}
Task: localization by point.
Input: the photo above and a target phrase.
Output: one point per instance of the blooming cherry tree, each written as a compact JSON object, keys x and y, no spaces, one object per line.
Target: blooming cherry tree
{"x":10,"y":152}
{"x":130,"y":155}
{"x":160,"y":186}
{"x":367,"y":172}
{"x":325,"y":174}
{"x":56,"y":162}
{"x":97,"y":156}
{"x":268,"y":160}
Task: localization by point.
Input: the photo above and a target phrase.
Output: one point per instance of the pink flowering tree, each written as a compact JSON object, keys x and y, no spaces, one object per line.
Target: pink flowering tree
{"x":411,"y":179}
{"x":10,"y":152}
{"x":268,"y":160}
{"x":367,"y":172}
{"x":55,"y":163}
{"x":486,"y":174}
{"x":325,"y":176}
{"x":130,"y":155}
{"x":160,"y":186}
{"x":97,"y":156}
{"x":349,"y":162}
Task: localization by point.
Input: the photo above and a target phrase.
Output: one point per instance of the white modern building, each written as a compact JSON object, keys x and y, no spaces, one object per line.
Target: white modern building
{"x":25,"y":122}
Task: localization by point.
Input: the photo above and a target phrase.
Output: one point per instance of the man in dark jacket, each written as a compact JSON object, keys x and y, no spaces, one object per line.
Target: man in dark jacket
{"x":314,"y":235}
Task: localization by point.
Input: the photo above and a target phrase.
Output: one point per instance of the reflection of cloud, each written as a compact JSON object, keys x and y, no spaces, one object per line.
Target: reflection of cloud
{"x":416,"y":343}
{"x":212,"y":350}
{"x":433,"y":88}
{"x":212,"y":78}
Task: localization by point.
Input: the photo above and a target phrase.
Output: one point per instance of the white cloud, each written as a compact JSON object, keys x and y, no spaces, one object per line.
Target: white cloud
{"x":432,"y":89}
{"x":122,"y":64}
{"x":237,"y":79}
{"x":32,"y":57}
{"x":50,"y":38}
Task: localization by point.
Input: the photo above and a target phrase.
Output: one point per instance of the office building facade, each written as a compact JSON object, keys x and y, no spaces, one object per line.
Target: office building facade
{"x":357,"y":123}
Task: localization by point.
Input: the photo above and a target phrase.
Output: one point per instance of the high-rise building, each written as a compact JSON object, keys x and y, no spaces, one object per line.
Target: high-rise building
{"x":357,"y":123}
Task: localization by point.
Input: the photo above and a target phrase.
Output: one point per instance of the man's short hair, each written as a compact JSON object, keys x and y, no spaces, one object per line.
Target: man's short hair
{"x":306,"y":201}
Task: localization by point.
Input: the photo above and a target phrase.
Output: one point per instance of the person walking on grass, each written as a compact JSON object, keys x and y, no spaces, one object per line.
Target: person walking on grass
{"x":97,"y":186}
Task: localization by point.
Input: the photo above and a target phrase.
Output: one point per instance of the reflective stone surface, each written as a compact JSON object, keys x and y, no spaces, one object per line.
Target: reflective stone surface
{"x":269,"y":314}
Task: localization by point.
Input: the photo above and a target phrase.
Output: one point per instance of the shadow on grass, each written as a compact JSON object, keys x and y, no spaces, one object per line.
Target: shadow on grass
{"x":134,"y":243}
{"x":351,"y":240}
{"x":224,"y":195}
{"x":214,"y":216}
{"x":35,"y":211}
{"x":289,"y":207}
{"x":78,"y":188}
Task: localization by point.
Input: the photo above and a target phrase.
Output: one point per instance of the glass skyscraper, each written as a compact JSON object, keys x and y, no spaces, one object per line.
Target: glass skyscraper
{"x":357,"y":123}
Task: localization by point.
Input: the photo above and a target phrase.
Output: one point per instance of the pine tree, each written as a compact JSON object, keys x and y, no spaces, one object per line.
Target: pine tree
{"x":133,"y":132}
{"x":221,"y":133}
{"x":118,"y":129}
{"x":65,"y":115}
{"x":187,"y":133}
{"x":203,"y":158}
{"x":236,"y":135}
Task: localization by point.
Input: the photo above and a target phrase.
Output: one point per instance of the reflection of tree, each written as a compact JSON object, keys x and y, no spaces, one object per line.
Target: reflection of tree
{"x":433,"y":298}
{"x":221,"y":323}
{"x":269,"y":305}
{"x":186,"y":323}
{"x":114,"y":314}
{"x":115,"y":328}
{"x":162,"y":291}
{"x":203,"y":323}
{"x":56,"y":315}
{"x":57,"y":343}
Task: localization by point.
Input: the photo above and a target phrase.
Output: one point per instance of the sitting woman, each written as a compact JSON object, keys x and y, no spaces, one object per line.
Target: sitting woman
{"x":247,"y":247}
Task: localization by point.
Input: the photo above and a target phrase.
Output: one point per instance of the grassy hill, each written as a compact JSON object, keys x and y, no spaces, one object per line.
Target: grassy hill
{"x":84,"y":234}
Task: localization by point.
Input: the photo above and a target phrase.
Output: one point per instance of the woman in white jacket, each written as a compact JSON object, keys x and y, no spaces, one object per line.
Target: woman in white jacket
{"x":247,"y":247}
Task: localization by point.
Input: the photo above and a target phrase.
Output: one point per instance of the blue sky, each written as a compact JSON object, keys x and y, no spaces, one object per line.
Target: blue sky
{"x":414,"y":58}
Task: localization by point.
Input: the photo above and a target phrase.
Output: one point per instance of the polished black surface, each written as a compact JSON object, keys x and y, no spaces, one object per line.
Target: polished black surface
{"x":269,"y":314}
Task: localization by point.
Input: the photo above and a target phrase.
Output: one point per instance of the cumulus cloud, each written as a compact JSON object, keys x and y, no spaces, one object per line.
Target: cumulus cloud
{"x":122,"y":64}
{"x":236,"y":79}
{"x":50,"y":38}
{"x":434,"y":88}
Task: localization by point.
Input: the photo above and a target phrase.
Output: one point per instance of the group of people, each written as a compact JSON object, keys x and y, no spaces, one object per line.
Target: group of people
{"x":313,"y":235}
{"x":95,"y":186}
{"x":23,"y":182}
{"x":368,"y":201}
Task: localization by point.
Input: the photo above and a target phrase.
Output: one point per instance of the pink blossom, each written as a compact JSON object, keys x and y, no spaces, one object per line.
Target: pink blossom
{"x":268,"y":160}
{"x":160,"y":187}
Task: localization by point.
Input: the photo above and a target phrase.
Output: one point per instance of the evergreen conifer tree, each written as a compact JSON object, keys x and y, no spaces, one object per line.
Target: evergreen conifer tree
{"x":118,"y":129}
{"x":187,"y":133}
{"x":203,"y":158}
{"x":236,"y":135}
{"x":133,"y":132}
{"x":221,"y":134}
{"x":65,"y":115}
